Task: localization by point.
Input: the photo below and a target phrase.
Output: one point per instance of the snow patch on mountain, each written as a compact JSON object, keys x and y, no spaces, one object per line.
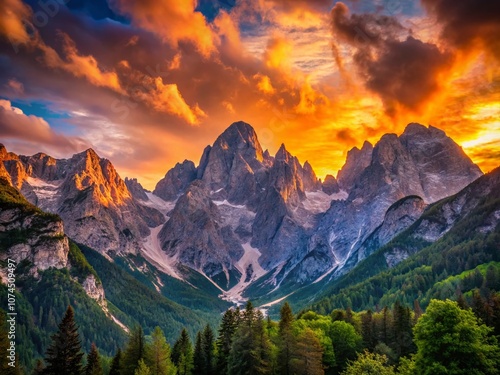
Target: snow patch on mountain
{"x":156,"y":202}
{"x":318,"y":201}
{"x":250,"y":270}
{"x":152,"y":251}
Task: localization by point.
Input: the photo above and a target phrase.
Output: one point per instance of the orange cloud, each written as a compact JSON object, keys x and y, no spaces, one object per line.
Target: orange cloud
{"x":167,"y":98}
{"x":13,"y":20}
{"x":264,"y":84}
{"x":277,"y":54}
{"x":174,"y":21}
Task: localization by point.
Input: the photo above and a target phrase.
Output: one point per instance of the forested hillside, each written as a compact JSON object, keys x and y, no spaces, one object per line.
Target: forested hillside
{"x":397,"y":340}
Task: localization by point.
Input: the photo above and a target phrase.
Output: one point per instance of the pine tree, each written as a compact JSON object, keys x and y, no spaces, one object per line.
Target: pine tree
{"x":158,"y":355}
{"x":286,"y":340}
{"x":142,"y":369}
{"x":208,"y":349}
{"x":134,"y":351}
{"x":309,"y":355}
{"x":225,"y":340}
{"x":39,"y":368}
{"x":93,"y":366}
{"x":198,"y":357}
{"x":369,"y":340}
{"x":64,"y":355}
{"x":250,"y":349}
{"x":116,"y":364}
{"x":182,"y":354}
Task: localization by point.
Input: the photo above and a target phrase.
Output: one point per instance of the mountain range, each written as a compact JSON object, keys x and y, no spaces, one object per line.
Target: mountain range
{"x":250,"y":224}
{"x":403,"y":219}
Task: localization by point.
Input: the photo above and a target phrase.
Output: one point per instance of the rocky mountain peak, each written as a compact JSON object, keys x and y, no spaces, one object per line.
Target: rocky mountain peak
{"x":234,"y":166}
{"x":330,"y":185}
{"x":283,"y":154}
{"x":241,"y":136}
{"x":136,"y":189}
{"x":176,"y":181}
{"x":3,"y":151}
{"x":357,"y":160}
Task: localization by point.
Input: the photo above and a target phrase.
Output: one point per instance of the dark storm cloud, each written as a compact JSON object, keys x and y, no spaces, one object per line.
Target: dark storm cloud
{"x":404,"y":72}
{"x":363,"y":29}
{"x":468,"y":22}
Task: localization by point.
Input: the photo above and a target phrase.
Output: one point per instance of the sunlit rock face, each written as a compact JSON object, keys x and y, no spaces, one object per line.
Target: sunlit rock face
{"x":95,"y":204}
{"x":422,"y":162}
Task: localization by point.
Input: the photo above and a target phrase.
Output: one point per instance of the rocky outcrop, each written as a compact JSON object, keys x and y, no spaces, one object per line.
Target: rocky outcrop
{"x":330,"y":185}
{"x":443,"y":167}
{"x":136,"y":189}
{"x":416,"y":163}
{"x":176,"y":181}
{"x":28,"y":234}
{"x":400,"y":216}
{"x":94,"y":289}
{"x":309,"y":179}
{"x":286,"y":177}
{"x":195,"y":237}
{"x":356,"y":162}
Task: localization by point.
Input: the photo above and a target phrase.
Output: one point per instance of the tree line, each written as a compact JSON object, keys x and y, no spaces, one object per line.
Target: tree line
{"x":449,"y":338}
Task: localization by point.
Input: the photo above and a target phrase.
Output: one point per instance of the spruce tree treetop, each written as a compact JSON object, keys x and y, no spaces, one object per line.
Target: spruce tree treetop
{"x":64,"y":355}
{"x":93,"y":366}
{"x":286,"y":317}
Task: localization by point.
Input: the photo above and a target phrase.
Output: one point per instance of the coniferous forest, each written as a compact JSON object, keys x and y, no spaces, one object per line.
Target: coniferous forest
{"x":450,"y":337}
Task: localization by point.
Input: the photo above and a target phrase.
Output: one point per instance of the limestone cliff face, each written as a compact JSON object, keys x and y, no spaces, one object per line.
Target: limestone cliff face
{"x":176,"y":181}
{"x":356,"y":162}
{"x":36,"y":238}
{"x":28,"y":234}
{"x":95,"y":204}
{"x":94,"y":289}
{"x":32,"y":236}
{"x":136,"y":189}
{"x":421,"y":162}
{"x":195,"y":236}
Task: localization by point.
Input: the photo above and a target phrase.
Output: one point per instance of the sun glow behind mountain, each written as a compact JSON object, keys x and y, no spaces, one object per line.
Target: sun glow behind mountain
{"x":150,"y":83}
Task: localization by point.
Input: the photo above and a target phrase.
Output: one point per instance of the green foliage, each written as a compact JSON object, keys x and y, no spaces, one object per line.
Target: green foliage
{"x":64,"y":355}
{"x":225,"y":340}
{"x":116,"y":364}
{"x":346,"y":343}
{"x":93,"y":366}
{"x":157,"y":355}
{"x":142,"y":369}
{"x":307,"y":358}
{"x":251,"y":347}
{"x":142,"y":305}
{"x":369,"y":364}
{"x":182,"y":354}
{"x":134,"y":351}
{"x":80,"y":267}
{"x":452,"y":341}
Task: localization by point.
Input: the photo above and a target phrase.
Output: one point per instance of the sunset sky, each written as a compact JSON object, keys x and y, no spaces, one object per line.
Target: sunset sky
{"x":148,"y":83}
